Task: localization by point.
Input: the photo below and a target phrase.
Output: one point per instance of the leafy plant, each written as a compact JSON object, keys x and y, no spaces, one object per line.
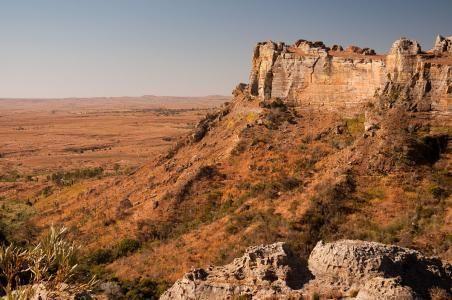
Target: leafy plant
{"x":51,"y":264}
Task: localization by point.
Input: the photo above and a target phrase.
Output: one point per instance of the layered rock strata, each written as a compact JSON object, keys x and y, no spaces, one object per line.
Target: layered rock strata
{"x":309,"y":74}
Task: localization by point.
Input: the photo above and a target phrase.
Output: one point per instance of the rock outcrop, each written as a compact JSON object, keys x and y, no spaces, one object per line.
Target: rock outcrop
{"x":346,"y":268}
{"x":443,"y":45}
{"x":307,"y":75}
{"x":310,"y":74}
{"x":419,"y":82}
{"x":376,"y":270}
{"x":262,"y":272}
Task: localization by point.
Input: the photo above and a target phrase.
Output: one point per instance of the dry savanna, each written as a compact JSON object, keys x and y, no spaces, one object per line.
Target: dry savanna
{"x":326,"y":176}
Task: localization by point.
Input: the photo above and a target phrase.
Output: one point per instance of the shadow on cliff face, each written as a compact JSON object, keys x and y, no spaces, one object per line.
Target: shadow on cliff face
{"x":3,"y":240}
{"x":428,"y":149}
{"x":328,"y":208}
{"x":299,"y":273}
{"x":419,"y":273}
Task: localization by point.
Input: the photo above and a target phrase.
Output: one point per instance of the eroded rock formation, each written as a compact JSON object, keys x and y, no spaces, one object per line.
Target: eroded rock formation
{"x":443,"y":45}
{"x":346,"y":268}
{"x":309,"y":74}
{"x":377,"y":271}
{"x":262,"y":272}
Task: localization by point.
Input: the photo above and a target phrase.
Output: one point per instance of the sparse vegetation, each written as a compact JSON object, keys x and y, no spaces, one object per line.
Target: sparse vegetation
{"x":15,"y":221}
{"x":70,"y":177}
{"x":290,"y":178}
{"x":355,"y":126}
{"x":11,"y":176}
{"x":144,"y":288}
{"x":277,"y":112}
{"x":104,"y":256}
{"x":327,"y":211}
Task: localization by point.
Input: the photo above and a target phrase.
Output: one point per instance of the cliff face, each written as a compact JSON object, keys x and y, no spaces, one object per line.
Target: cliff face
{"x":309,"y":74}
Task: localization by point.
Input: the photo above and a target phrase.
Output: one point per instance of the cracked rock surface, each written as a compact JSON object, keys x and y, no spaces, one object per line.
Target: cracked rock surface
{"x":345,"y":268}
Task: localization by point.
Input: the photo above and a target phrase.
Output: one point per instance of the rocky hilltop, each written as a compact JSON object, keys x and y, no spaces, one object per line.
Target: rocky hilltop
{"x":346,"y":268}
{"x":312,"y":74}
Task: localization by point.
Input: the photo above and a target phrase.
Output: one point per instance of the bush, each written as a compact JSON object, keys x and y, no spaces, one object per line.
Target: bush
{"x":105,"y":256}
{"x":438,"y":192}
{"x":51,"y":263}
{"x":47,"y":191}
{"x":126,"y":247}
{"x":271,"y":189}
{"x":144,"y":288}
{"x":149,"y":230}
{"x":355,"y":126}
{"x":101,"y":256}
{"x":240,"y":147}
{"x":11,"y":176}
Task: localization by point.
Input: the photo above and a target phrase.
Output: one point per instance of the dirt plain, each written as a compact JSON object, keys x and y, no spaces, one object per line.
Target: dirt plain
{"x":43,"y":137}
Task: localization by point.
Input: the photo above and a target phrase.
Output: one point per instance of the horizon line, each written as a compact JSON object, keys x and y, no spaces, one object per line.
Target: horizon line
{"x":110,"y":97}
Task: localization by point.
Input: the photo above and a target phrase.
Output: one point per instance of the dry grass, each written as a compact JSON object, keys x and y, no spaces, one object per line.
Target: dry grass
{"x":269,"y":185}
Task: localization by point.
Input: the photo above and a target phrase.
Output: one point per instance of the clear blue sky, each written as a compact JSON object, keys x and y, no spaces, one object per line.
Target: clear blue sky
{"x":62,"y":48}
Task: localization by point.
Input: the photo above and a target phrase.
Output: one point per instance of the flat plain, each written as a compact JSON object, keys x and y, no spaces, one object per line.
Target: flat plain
{"x":42,"y":136}
{"x":46,"y":141}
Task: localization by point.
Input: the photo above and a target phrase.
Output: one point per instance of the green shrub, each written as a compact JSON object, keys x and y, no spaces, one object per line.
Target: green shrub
{"x":101,"y":256}
{"x":47,"y":191}
{"x":69,"y":178}
{"x":144,"y":288}
{"x":150,"y":230}
{"x":232,"y":229}
{"x":240,"y":147}
{"x":355,"y":126}
{"x":105,"y":256}
{"x":305,"y":163}
{"x":438,"y":192}
{"x":126,"y":247}
{"x":11,"y":176}
{"x":327,"y":211}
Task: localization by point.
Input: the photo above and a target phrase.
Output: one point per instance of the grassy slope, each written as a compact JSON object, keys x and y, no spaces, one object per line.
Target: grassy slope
{"x":261,"y":175}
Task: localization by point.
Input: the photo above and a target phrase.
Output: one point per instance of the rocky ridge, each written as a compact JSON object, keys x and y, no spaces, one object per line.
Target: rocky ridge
{"x":346,"y":268}
{"x":310,"y":74}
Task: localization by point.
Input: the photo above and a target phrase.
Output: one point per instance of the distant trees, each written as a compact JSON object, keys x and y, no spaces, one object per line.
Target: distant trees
{"x":70,"y":177}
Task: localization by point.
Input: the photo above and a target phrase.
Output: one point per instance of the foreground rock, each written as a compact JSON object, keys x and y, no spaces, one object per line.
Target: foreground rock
{"x":262,"y":272}
{"x":377,"y":271}
{"x":355,"y":269}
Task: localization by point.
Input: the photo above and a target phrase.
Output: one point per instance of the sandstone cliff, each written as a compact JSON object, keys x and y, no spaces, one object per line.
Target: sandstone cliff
{"x":309,"y":74}
{"x":346,"y":268}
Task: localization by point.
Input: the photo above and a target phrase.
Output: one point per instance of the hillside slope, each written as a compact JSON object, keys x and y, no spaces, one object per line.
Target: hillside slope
{"x":268,"y":168}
